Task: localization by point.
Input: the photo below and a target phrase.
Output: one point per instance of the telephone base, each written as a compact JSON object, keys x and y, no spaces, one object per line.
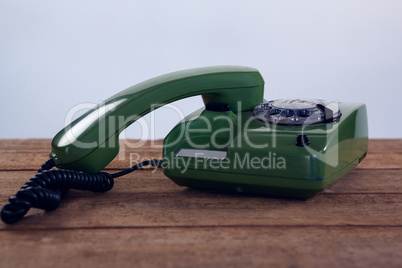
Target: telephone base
{"x":262,"y":185}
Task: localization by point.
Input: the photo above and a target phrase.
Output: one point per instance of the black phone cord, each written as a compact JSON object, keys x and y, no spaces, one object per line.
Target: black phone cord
{"x":46,"y":189}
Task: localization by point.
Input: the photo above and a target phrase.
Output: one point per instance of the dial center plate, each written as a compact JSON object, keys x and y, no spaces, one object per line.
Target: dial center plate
{"x":297,"y":111}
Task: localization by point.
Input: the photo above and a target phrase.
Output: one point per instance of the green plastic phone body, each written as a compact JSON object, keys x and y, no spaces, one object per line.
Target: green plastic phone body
{"x":217,"y":147}
{"x":91,"y":141}
{"x":262,"y":159}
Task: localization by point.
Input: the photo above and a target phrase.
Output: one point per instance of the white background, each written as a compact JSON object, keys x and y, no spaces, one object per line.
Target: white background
{"x":57,"y":54}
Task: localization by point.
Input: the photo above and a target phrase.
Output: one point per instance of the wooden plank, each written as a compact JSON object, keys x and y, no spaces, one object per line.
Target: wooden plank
{"x":382,"y":161}
{"x":141,"y":181}
{"x":34,"y":160}
{"x":369,"y":181}
{"x":22,"y":160}
{"x":16,"y":145}
{"x":153,"y":181}
{"x":204,"y":247}
{"x":129,"y":205}
{"x":23,"y":145}
{"x":379,"y":146}
{"x":31,"y":154}
{"x":29,"y":160}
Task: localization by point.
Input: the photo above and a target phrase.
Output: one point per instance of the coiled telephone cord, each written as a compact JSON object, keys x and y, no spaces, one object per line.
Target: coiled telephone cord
{"x":46,"y":189}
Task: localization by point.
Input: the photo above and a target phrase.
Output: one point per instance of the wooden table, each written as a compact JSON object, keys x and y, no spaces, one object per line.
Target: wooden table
{"x":147,"y":220}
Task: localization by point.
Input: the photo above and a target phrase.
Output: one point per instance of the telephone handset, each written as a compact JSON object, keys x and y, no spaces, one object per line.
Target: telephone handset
{"x":236,"y":143}
{"x":82,"y":146}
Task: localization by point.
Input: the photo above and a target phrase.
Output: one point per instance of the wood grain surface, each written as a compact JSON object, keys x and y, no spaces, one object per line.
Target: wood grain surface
{"x":148,"y":221}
